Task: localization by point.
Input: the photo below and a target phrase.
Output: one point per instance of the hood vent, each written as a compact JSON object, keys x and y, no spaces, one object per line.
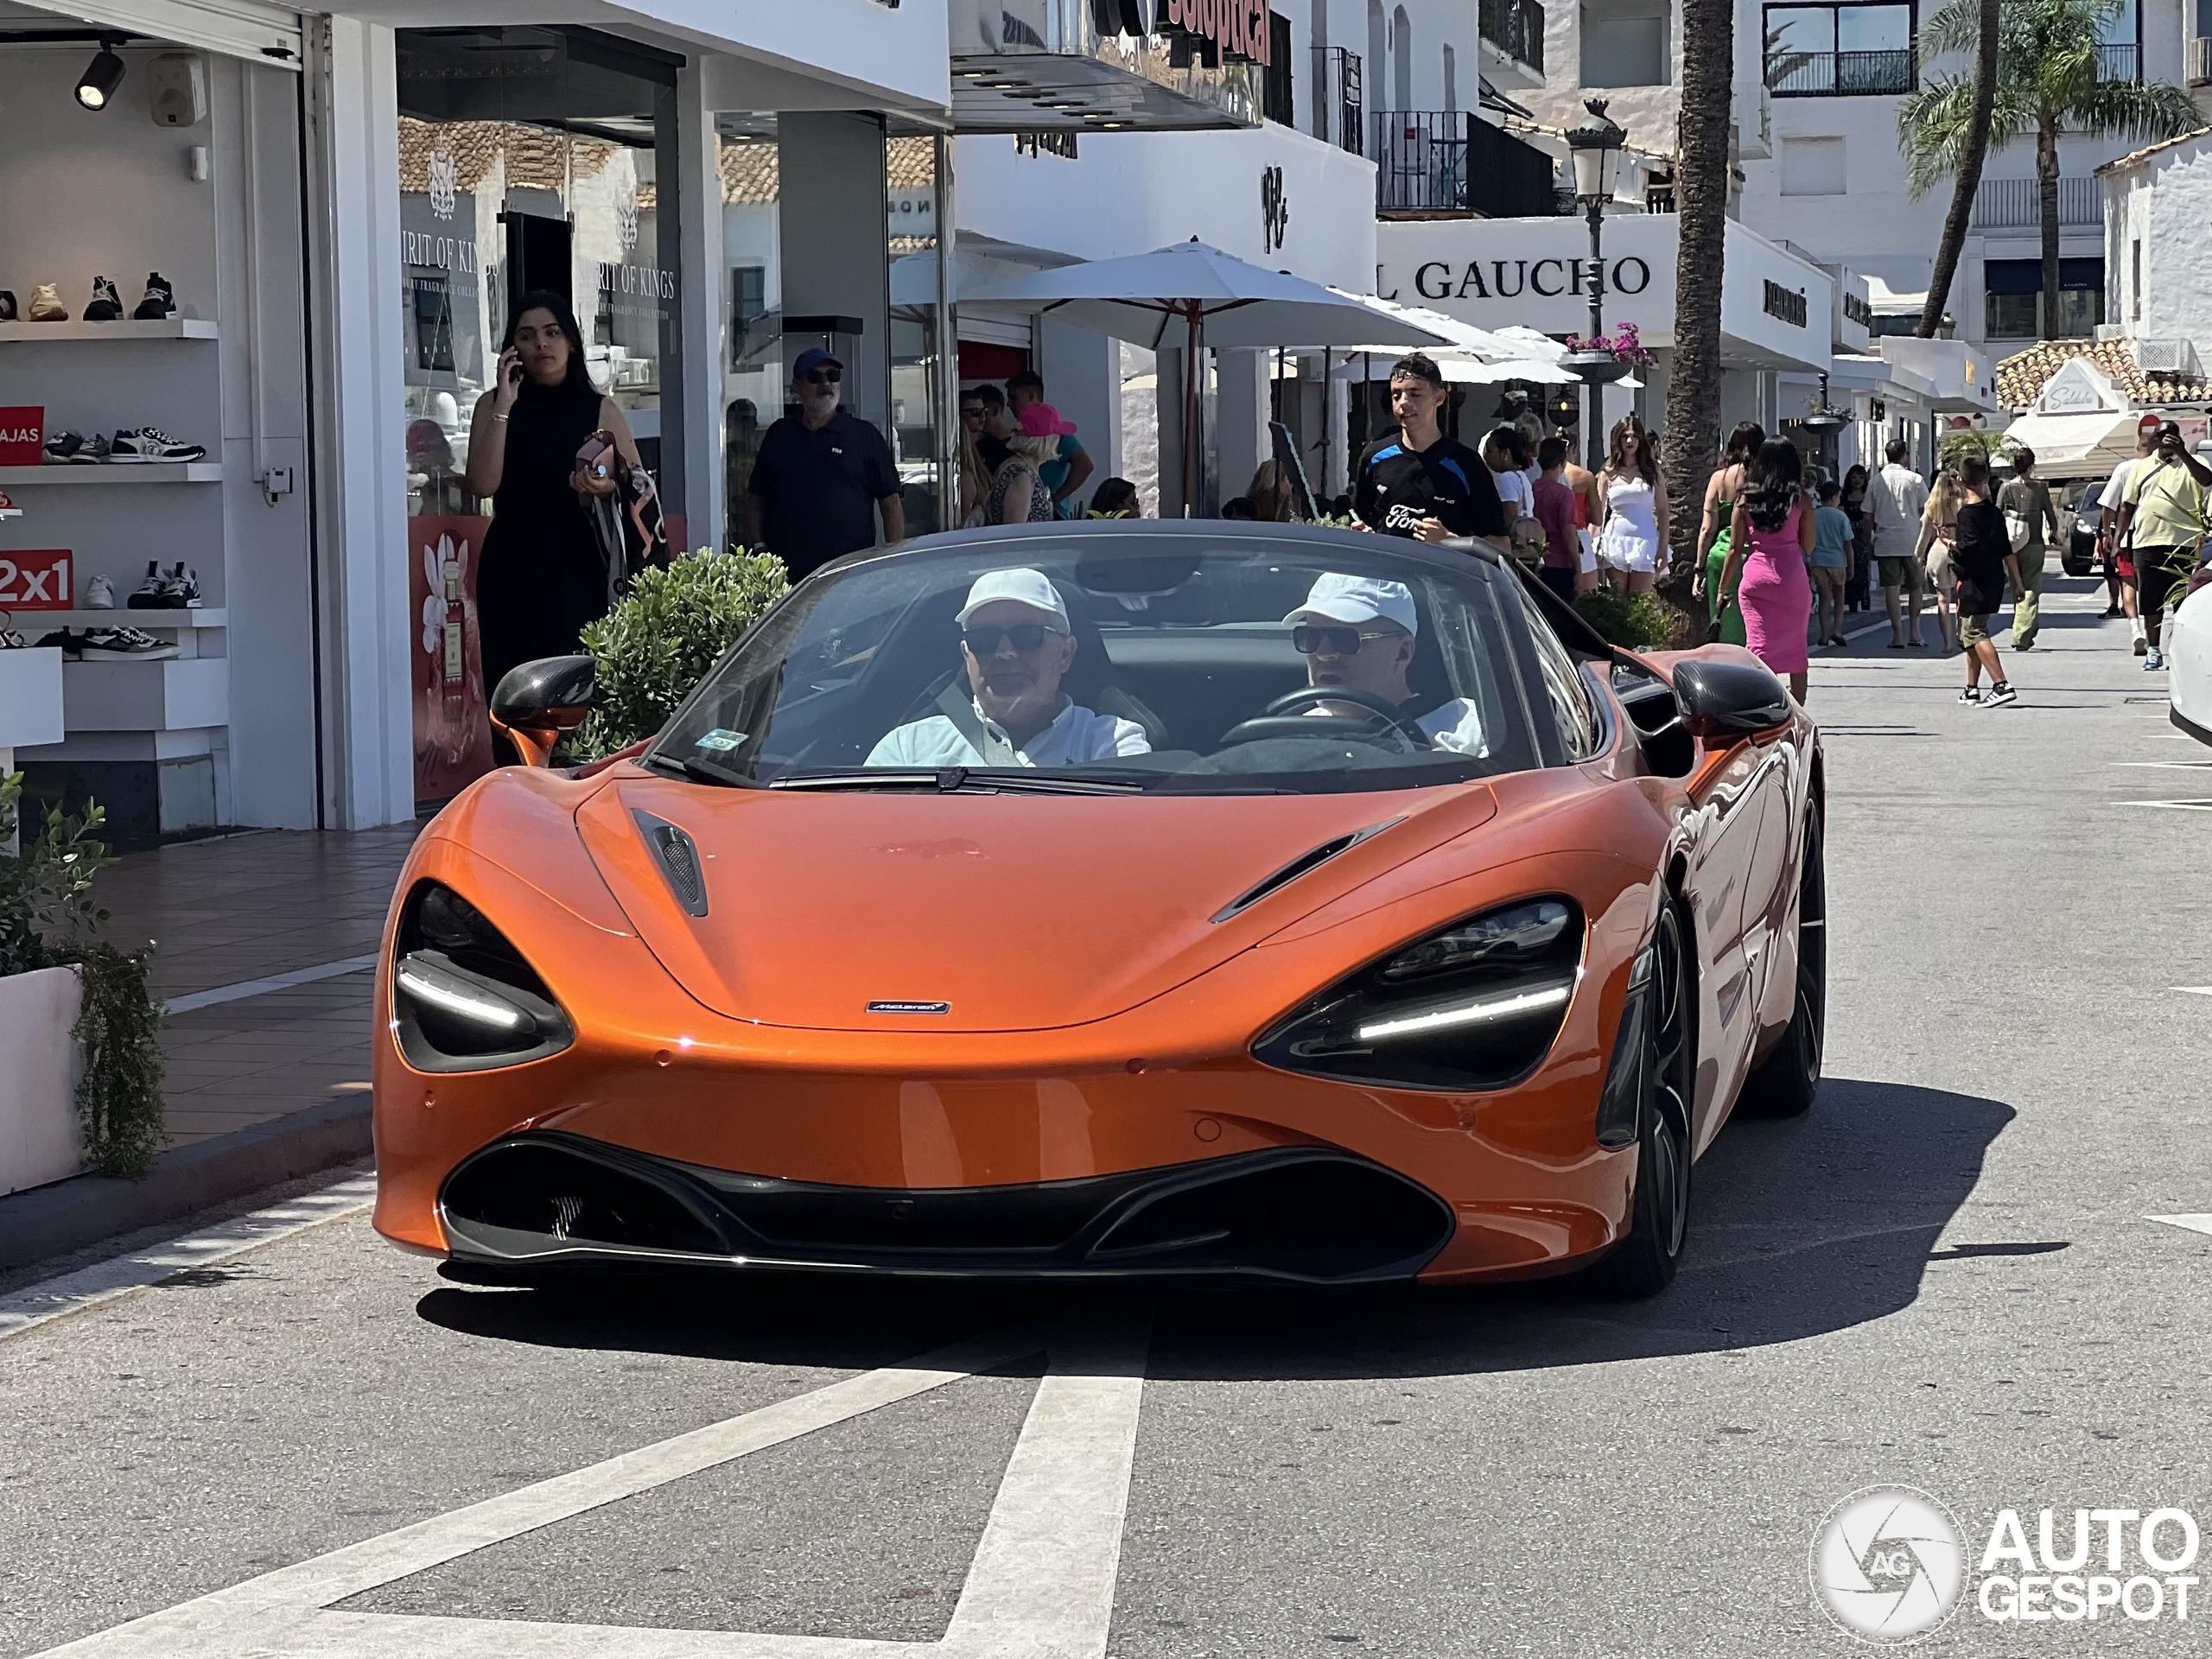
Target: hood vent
{"x":678,"y":854}
{"x":1300,"y":866}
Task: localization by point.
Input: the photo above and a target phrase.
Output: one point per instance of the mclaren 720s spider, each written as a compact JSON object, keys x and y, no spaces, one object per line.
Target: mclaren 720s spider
{"x":1174,"y":901}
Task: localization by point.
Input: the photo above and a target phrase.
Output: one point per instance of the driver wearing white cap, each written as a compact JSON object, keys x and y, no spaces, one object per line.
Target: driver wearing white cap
{"x":1358,"y":632}
{"x":1016,"y":645}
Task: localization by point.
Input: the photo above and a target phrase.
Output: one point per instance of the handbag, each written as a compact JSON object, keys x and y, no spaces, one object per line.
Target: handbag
{"x":2018,"y":530}
{"x":626,"y":524}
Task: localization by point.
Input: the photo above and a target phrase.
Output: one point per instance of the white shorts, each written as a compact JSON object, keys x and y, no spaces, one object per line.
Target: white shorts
{"x":1632,"y":553}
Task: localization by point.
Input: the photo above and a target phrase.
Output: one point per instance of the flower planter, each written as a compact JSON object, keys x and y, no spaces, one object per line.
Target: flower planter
{"x":1595,"y":368}
{"x":39,"y":1137}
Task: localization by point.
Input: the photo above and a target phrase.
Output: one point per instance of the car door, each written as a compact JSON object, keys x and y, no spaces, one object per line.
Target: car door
{"x":1727,"y":801}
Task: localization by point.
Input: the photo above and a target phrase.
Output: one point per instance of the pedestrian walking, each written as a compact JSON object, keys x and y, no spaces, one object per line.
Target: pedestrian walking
{"x":1414,"y":481}
{"x":1832,"y":545}
{"x":1938,"y":547}
{"x":1897,"y":501}
{"x":1771,"y":533}
{"x":1857,"y":587}
{"x":2164,"y":509}
{"x":1982,"y":560}
{"x":2024,"y":501}
{"x":1716,"y":529}
{"x":1068,"y":469}
{"x":1584,"y":482}
{"x":1017,"y":494}
{"x":1630,"y":541}
{"x":822,"y":475}
{"x":1562,"y":567}
{"x":2118,"y":545}
{"x":1505,"y":453}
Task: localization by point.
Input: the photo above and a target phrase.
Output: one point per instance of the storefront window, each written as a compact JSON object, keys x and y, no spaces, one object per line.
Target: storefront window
{"x":529,"y":159}
{"x":911,"y":196}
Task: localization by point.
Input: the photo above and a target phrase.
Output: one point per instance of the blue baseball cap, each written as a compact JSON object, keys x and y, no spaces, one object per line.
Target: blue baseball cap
{"x":811,"y":359}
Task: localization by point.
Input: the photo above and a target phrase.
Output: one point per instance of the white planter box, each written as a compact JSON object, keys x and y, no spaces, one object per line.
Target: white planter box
{"x":39,"y":1139}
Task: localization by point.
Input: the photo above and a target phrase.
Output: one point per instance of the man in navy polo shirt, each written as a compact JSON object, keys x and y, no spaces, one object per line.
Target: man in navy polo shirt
{"x":822,"y":476}
{"x":1417,"y":483}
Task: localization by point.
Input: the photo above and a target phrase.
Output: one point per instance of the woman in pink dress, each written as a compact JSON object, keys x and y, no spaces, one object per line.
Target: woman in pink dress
{"x":1769,"y":537}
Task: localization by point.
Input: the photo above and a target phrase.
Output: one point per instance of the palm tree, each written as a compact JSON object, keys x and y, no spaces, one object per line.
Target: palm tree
{"x":2050,"y":84}
{"x":1701,"y":163}
{"x":1973,"y":152}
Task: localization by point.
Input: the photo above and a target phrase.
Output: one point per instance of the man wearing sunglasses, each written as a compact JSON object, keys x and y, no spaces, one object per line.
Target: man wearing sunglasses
{"x":1359,"y":633}
{"x":1015,"y":646}
{"x":822,"y":476}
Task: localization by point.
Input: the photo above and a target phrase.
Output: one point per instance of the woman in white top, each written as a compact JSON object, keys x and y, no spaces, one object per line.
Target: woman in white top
{"x":1939,"y":536}
{"x":1503,"y":453}
{"x":1632,"y":541}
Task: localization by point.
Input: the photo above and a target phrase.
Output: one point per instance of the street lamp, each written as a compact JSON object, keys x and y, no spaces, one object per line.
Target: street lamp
{"x":1824,"y":420}
{"x":1595,"y":146}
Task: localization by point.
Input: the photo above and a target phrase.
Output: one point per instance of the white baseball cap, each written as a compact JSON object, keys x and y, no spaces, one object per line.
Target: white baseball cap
{"x":1338,"y":598}
{"x":1017,"y":587}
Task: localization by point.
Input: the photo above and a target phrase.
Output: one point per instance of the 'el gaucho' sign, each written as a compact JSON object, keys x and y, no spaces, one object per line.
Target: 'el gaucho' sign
{"x":1238,"y":26}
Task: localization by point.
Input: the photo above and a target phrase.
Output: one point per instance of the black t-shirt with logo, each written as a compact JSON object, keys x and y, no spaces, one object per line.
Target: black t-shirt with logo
{"x":1395,"y":487}
{"x":818,"y":489}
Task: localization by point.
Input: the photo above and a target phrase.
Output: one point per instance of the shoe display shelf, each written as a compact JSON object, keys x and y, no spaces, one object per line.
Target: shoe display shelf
{"x":30,"y":699}
{"x":164,"y":621}
{"x":167,"y":694}
{"x":123,"y":329}
{"x":115,"y":472}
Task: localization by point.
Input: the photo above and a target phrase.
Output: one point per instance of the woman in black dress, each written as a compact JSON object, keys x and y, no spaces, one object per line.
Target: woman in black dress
{"x":542,"y":577}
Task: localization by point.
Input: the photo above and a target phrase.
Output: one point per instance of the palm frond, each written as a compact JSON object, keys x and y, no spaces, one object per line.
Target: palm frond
{"x":1956,"y":27}
{"x":2131,"y":112}
{"x":1934,"y":122}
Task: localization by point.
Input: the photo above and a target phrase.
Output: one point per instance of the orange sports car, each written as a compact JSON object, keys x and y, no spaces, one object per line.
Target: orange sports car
{"x":1188,"y":900}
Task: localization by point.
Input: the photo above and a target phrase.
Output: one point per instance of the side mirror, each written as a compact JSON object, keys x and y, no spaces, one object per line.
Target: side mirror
{"x":1725,"y":701}
{"x":535,"y":702}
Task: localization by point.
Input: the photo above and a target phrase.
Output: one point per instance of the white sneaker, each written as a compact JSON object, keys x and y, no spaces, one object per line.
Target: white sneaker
{"x":99,"y":594}
{"x":151,"y":443}
{"x":118,"y":643}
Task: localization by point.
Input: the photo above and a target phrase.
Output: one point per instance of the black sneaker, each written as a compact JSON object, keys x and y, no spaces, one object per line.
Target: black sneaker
{"x":64,"y":445}
{"x":89,"y":452}
{"x":7,"y":305}
{"x":2000,"y":694}
{"x":120,"y":643}
{"x":1970,"y":694}
{"x":148,"y":595}
{"x":107,"y":304}
{"x":149,"y":443}
{"x":159,"y":301}
{"x":71,"y":645}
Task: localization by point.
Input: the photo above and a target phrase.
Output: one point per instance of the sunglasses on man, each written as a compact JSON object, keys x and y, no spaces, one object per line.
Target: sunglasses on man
{"x":984,"y":640}
{"x":823,"y":376}
{"x":1338,"y":642}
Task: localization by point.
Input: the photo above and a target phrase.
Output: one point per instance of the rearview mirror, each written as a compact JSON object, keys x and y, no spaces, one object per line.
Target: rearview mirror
{"x":1729,"y":700}
{"x":536,"y":702}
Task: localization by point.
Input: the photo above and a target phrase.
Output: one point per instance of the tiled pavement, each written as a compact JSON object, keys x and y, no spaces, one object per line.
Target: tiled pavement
{"x":242,"y":908}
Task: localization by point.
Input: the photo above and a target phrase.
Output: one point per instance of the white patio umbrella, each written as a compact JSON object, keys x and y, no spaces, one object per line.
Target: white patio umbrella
{"x":1216,"y":299}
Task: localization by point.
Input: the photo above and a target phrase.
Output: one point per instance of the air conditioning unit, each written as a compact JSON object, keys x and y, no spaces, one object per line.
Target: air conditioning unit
{"x":2169,"y":357}
{"x":2200,"y":61}
{"x":2112,"y":331}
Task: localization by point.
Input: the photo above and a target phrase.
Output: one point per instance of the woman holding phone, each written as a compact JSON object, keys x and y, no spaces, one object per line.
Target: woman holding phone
{"x":532,"y":449}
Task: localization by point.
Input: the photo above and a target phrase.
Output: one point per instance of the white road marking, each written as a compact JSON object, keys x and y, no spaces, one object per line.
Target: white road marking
{"x":2176,"y":806}
{"x":1041,"y":1585}
{"x":2171,"y":766}
{"x":73,"y":1293}
{"x":2193,"y":990}
{"x":2195,"y":1223}
{"x":283,"y":981}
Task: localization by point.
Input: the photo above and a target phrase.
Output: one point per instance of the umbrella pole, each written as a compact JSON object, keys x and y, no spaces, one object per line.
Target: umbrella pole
{"x":1328,"y":437}
{"x":1191,"y":414}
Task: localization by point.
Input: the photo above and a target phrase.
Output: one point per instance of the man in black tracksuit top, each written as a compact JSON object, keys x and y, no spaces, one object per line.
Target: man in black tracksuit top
{"x":1416,"y":482}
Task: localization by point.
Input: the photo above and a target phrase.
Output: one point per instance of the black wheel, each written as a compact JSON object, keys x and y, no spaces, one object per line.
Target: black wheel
{"x":1644,"y":1263}
{"x":1784,"y":1084}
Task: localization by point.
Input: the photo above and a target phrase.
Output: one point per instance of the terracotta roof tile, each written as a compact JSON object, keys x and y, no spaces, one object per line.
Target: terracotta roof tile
{"x":2021,"y":378}
{"x":2135,"y":155}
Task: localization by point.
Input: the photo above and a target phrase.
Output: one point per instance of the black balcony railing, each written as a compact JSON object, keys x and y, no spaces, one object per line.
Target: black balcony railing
{"x":1338,"y":117}
{"x":2117,"y":63}
{"x":1842,"y":74}
{"x":1453,"y":162}
{"x":1515,"y":27}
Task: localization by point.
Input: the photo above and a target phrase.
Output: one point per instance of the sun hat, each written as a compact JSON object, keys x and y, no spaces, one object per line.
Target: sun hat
{"x":1340,"y":598}
{"x":1018,"y":587}
{"x":1043,"y":421}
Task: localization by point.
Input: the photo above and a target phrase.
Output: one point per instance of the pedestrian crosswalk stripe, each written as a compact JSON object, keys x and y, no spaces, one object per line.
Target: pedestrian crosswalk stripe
{"x":2195,"y":1223}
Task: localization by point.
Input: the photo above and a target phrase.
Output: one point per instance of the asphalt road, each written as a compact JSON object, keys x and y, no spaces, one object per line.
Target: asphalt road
{"x":1944,"y":1276}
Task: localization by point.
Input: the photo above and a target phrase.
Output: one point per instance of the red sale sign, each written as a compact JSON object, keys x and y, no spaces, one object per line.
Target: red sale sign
{"x":35,"y":579}
{"x":23,"y":434}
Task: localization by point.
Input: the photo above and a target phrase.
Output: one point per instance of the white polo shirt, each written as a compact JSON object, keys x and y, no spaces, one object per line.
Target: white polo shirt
{"x":1076,"y":737}
{"x":1455,"y":726}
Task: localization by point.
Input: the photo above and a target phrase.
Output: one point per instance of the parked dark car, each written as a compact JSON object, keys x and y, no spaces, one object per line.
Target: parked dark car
{"x":2078,"y":557}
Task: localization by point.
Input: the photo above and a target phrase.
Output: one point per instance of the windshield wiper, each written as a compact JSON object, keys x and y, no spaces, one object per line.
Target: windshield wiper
{"x":698,"y":771}
{"x":958,"y":780}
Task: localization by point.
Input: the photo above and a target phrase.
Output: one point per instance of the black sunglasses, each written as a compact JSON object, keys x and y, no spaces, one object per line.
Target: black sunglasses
{"x":823,"y":376}
{"x":1026,"y":636}
{"x":1338,"y":642}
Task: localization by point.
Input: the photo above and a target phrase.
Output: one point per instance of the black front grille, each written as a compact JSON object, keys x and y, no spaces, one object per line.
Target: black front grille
{"x":1302,"y":1215}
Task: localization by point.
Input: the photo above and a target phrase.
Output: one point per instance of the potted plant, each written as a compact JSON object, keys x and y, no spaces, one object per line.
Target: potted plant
{"x":1599,"y":359}
{"x":81,"y":1086}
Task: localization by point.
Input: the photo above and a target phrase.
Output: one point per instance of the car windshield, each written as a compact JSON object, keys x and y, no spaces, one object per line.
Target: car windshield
{"x":1110,"y":661}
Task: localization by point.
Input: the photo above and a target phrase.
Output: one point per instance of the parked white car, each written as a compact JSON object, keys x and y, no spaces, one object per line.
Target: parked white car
{"x":2189,"y":662}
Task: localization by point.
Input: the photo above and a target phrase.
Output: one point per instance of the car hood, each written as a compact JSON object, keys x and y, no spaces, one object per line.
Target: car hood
{"x":1017,"y":913}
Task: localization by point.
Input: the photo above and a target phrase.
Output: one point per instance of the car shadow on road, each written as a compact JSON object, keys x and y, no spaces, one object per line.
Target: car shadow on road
{"x":1797,"y":1228}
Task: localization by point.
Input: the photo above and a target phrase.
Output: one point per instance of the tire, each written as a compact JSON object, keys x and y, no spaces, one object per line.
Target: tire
{"x":2073,"y":567}
{"x":1643,"y":1262}
{"x":1784,"y":1084}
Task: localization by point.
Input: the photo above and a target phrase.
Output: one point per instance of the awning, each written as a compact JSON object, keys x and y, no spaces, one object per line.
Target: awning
{"x":2087,"y":445}
{"x":262,"y":34}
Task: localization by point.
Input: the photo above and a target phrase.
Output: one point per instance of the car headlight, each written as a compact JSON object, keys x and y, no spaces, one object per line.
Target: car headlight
{"x":1473,"y":1006}
{"x":462,"y":996}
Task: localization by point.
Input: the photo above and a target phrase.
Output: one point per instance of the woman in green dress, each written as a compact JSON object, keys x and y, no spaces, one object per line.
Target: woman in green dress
{"x":1712,"y":536}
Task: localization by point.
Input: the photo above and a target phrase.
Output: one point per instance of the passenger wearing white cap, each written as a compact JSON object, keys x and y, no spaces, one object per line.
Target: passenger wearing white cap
{"x":1016,"y":645}
{"x":1358,"y":632}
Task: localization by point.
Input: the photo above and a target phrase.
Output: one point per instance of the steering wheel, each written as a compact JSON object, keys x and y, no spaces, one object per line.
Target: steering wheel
{"x":1282,"y":718}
